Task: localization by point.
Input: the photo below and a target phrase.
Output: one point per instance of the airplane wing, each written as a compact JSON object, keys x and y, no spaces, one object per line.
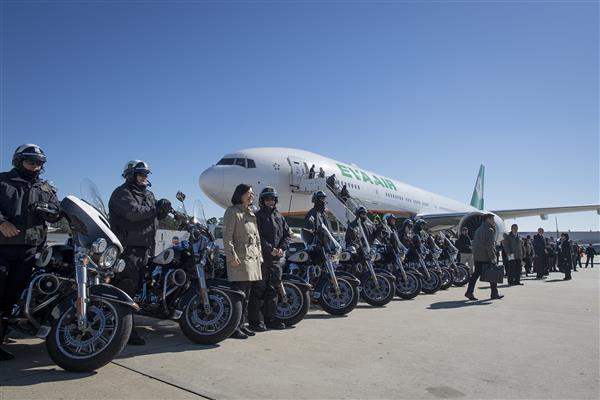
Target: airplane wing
{"x":444,"y":221}
{"x":543,"y":212}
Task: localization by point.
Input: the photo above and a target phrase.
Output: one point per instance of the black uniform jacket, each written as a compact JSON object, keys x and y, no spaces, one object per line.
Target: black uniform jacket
{"x":18,"y":196}
{"x":133,"y":215}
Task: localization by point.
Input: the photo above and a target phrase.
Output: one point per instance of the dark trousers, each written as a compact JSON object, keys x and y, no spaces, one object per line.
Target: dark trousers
{"x":16,"y":265}
{"x":527,"y":262}
{"x":577,"y":261}
{"x":590,"y":259}
{"x":539,"y":266}
{"x":130,"y":280}
{"x":246,"y":287}
{"x":514,"y":272}
{"x":476,"y":275}
{"x":263,"y":299}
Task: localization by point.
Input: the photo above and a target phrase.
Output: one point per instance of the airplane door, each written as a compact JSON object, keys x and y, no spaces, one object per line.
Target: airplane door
{"x":298,"y":170}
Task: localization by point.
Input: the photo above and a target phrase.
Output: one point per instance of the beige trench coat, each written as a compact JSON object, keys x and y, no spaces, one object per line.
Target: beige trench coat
{"x":241,"y":242}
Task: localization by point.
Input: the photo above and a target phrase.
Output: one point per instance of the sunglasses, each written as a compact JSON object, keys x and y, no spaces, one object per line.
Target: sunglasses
{"x":37,"y":163}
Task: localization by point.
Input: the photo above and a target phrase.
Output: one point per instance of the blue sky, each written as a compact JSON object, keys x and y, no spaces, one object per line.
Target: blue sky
{"x":419,"y":91}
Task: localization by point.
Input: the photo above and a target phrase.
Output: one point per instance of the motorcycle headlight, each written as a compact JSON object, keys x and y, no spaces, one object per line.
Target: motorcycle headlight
{"x":109,"y":257}
{"x":99,"y":246}
{"x":120,"y":266}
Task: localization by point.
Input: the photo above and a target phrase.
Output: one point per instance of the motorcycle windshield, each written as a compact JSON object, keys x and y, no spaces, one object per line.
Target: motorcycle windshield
{"x":88,"y":218}
{"x":198,"y":213}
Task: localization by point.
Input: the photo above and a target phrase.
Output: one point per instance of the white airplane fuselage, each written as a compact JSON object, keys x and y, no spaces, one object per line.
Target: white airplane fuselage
{"x":281,"y":168}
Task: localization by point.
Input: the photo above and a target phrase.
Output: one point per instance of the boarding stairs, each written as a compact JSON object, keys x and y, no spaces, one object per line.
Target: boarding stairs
{"x":344,"y":212}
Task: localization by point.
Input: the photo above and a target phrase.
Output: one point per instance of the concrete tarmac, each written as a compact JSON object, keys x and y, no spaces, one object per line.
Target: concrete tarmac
{"x":540,"y":341}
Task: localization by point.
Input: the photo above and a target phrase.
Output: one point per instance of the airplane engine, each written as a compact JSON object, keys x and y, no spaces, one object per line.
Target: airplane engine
{"x":473,"y":220}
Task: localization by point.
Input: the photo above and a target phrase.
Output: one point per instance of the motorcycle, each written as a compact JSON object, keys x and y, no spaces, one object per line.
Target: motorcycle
{"x":408,"y":281}
{"x":460,"y":272}
{"x":377,"y":287}
{"x":176,"y":286}
{"x":335,"y":291}
{"x":431,"y":262}
{"x":85,"y":321}
{"x":293,"y":299}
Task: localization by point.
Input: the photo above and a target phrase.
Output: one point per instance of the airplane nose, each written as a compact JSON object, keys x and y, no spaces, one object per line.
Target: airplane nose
{"x":211,"y":182}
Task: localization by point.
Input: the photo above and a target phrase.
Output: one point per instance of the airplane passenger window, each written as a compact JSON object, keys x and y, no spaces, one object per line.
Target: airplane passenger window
{"x":241,"y":162}
{"x":226,"y":161}
{"x":251,"y":164}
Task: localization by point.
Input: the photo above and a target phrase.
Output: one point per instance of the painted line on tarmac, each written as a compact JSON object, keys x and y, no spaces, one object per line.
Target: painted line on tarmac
{"x":204,"y":396}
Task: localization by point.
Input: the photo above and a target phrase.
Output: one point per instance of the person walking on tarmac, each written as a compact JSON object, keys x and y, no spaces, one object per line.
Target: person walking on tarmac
{"x":316,"y":215}
{"x":26,"y":204}
{"x":274,"y":241}
{"x":484,"y":253}
{"x":134,"y":215}
{"x":565,"y":259}
{"x":514,"y":254}
{"x":540,"y":254}
{"x":590,"y":252}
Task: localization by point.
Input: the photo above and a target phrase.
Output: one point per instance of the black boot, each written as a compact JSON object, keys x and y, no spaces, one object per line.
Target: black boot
{"x":4,"y":354}
{"x":135,"y":339}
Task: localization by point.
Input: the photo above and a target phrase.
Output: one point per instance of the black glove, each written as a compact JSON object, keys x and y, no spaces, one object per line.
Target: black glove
{"x":163,"y":207}
{"x":47,"y":212}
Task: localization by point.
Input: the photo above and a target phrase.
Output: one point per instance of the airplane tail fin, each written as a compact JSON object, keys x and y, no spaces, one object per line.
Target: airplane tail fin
{"x":477,"y":197}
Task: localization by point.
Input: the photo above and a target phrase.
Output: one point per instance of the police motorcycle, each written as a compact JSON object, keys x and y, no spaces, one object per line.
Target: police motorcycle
{"x":460,"y":272}
{"x":377,"y":286}
{"x":433,"y":253}
{"x":85,"y":321}
{"x":293,"y":298}
{"x":336,"y":292}
{"x":390,"y":257}
{"x":178,"y":284}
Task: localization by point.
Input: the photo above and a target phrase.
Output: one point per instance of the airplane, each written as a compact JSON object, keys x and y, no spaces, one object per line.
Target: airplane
{"x":288,"y":171}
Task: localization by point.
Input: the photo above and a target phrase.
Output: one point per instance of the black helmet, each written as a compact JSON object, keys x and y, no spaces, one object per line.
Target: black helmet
{"x":30,"y":152}
{"x":318,"y":195}
{"x":361,"y":210}
{"x":135,"y":167}
{"x":267,"y":192}
{"x":420,"y":224}
{"x":407,"y":222}
{"x":389,"y":216}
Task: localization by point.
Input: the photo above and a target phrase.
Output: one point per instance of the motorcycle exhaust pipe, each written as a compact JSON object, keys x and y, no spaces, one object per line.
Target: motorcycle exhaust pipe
{"x":48,"y":284}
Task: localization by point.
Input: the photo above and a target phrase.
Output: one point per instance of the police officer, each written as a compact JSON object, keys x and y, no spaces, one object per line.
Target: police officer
{"x":316,"y":215}
{"x":134,"y":215}
{"x":274,"y":241}
{"x":354,"y":236}
{"x":26,"y":204}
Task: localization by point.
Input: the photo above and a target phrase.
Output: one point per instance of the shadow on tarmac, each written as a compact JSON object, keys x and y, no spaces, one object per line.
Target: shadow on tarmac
{"x":32,"y":362}
{"x":441,"y":305}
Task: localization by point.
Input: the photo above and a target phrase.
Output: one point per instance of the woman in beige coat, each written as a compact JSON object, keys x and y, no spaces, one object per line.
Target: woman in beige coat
{"x":241,"y":244}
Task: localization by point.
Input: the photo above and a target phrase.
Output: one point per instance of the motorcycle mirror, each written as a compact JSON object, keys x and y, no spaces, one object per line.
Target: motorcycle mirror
{"x":180,"y":196}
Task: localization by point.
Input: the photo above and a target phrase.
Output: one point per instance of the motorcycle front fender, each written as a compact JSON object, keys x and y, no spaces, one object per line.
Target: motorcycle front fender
{"x":385,"y":273}
{"x":225,"y":286}
{"x":348,"y":276}
{"x":111,"y":293}
{"x":297,"y":281}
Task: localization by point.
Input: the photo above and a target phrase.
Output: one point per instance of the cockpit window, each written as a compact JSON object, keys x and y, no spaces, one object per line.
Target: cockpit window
{"x":226,"y":161}
{"x":240,"y":162}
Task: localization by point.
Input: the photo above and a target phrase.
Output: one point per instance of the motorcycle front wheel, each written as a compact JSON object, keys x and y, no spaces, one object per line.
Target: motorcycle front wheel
{"x":431,"y":285}
{"x":447,"y":278}
{"x":410,"y":288}
{"x":342,"y":304}
{"x":213,"y":325}
{"x":86,"y":348}
{"x":461,"y":275}
{"x":377,"y":296}
{"x":296,"y":307}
